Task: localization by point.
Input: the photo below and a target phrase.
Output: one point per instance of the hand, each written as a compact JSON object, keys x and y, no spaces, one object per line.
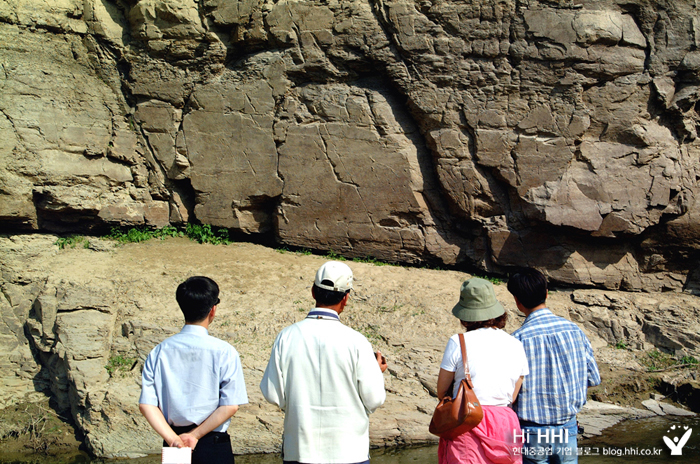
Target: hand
{"x":177,"y":442}
{"x":381,"y":360}
{"x":188,"y":440}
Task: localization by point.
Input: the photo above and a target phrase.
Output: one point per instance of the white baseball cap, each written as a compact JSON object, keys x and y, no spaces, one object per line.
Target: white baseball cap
{"x":339,"y":274}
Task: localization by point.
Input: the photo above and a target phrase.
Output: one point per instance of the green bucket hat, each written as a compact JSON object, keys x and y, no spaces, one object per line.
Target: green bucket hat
{"x":477,"y":301}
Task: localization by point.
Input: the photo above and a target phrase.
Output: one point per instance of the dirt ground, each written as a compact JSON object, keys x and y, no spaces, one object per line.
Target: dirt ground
{"x":401,"y":310}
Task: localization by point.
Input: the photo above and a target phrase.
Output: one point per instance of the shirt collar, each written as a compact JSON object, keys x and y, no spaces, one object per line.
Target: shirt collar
{"x":537,"y":314}
{"x":194,"y":330}
{"x":323,"y":313}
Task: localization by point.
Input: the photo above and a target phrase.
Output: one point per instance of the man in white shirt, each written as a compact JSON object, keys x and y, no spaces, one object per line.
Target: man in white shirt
{"x":326,"y":378}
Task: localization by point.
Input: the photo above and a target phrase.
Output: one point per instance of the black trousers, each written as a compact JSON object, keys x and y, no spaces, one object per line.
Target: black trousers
{"x":212,"y":448}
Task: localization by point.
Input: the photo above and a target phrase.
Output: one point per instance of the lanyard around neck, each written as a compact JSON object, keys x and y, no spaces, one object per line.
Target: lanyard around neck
{"x":322,"y":315}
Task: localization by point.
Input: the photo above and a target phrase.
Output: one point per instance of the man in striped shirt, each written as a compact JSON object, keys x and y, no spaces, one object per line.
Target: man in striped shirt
{"x":562,"y":367}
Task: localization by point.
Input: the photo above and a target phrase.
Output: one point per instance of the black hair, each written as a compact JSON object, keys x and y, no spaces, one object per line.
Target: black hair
{"x":196,"y":296}
{"x":529,"y":286}
{"x":497,"y":323}
{"x":325,"y":297}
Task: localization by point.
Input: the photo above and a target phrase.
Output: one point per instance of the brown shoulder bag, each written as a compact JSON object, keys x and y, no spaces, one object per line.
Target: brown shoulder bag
{"x":452,"y":416}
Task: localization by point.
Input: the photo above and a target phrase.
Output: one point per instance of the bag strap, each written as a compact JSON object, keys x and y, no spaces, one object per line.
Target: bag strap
{"x":467,"y":375}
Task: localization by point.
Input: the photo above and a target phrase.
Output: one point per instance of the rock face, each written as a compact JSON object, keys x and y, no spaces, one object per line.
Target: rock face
{"x":488,"y":134}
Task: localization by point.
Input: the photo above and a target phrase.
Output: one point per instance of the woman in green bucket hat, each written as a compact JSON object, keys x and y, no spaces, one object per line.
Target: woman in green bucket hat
{"x":497,"y":365}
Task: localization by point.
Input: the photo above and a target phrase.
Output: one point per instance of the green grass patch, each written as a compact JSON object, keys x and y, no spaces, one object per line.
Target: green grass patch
{"x":300,"y":251}
{"x":372,"y":260}
{"x":371,"y":333}
{"x":136,"y":235}
{"x":72,"y":241}
{"x":390,"y":309}
{"x":656,"y":360}
{"x":493,"y":280}
{"x":207,"y":234}
{"x":119,"y":363}
{"x":333,"y":256}
{"x":199,"y":233}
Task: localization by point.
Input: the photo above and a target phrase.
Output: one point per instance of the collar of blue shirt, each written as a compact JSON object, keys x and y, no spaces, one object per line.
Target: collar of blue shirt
{"x":536,"y":314}
{"x":194,"y":329}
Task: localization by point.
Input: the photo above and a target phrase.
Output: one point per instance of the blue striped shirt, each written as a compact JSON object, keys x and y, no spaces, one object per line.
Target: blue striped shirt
{"x":562,"y":367}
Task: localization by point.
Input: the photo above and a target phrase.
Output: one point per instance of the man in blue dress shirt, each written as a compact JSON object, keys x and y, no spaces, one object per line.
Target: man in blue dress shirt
{"x":192,"y":383}
{"x":562,"y":368}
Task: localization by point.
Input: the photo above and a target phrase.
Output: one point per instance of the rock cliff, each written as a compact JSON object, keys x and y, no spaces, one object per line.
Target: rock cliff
{"x":488,"y":134}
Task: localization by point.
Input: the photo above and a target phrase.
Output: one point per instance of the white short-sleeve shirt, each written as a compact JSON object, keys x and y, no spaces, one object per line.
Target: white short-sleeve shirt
{"x":496,"y":362}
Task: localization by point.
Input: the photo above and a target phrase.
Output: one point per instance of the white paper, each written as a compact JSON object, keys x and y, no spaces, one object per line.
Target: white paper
{"x":172,"y":455}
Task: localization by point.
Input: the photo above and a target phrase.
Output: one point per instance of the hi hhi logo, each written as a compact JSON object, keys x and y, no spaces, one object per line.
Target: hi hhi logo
{"x":676,"y":444}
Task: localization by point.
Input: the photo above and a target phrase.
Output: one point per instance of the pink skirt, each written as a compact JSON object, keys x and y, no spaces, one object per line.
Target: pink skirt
{"x":490,"y":442}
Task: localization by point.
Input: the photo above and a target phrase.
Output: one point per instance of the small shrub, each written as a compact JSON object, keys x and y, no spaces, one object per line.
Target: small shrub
{"x":168,"y":231}
{"x":206,"y":234}
{"x":621,"y":345}
{"x":132,"y":235}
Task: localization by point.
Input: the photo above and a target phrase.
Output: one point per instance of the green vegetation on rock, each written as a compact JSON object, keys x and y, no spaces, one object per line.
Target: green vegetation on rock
{"x":656,"y":360}
{"x":206,"y":234}
{"x":72,"y":241}
{"x":119,"y":363}
{"x":199,"y":233}
{"x":136,"y":235}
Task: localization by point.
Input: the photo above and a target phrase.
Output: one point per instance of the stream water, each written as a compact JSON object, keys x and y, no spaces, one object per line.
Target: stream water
{"x":633,"y":441}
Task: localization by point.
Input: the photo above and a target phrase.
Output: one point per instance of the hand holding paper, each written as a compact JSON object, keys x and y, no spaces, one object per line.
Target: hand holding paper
{"x":173,"y":455}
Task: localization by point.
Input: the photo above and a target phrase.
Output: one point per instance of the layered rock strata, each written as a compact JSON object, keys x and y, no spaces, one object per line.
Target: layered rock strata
{"x":489,"y":134}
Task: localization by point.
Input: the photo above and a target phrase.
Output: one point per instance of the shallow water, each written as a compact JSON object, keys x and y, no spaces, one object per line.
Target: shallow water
{"x":633,"y":441}
{"x":642,"y":442}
